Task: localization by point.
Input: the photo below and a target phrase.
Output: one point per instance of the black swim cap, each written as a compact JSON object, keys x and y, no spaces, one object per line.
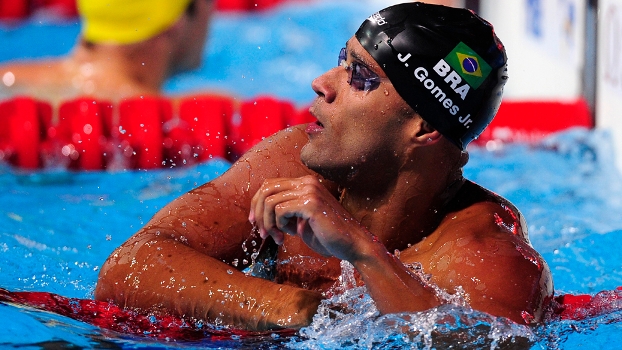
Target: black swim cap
{"x":446,"y":63}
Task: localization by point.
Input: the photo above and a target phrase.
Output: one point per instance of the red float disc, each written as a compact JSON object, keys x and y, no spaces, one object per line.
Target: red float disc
{"x":140,"y":130}
{"x":21,"y":117}
{"x":206,"y":118}
{"x":260,"y":118}
{"x":14,"y":9}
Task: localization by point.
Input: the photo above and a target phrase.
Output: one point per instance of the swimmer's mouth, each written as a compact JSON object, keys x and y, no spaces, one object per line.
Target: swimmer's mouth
{"x":316,"y":126}
{"x":313,"y":128}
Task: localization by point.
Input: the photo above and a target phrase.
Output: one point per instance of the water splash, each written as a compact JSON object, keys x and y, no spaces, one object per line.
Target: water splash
{"x":350,"y":320}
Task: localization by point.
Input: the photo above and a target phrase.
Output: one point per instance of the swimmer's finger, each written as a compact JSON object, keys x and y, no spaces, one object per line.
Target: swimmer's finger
{"x":272,"y":221}
{"x":296,"y":222}
{"x":262,"y":205}
{"x":289,"y":218}
{"x":302,"y":202}
{"x":277,"y":236}
{"x":257,"y":204}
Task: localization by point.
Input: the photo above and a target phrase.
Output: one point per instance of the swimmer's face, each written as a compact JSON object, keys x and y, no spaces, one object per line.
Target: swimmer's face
{"x":357,"y":131}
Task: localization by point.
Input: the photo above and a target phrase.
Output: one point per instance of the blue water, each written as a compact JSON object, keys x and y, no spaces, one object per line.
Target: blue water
{"x":57,"y":228}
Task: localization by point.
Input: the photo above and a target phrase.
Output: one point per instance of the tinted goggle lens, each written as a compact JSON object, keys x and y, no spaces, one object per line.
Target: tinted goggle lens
{"x":360,"y":76}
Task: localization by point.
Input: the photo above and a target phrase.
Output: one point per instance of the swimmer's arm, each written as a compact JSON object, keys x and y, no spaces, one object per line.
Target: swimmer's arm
{"x":166,"y":263}
{"x":152,"y":273}
{"x":390,"y":283}
{"x":498,"y":270}
{"x":304,"y":208}
{"x":511,"y":277}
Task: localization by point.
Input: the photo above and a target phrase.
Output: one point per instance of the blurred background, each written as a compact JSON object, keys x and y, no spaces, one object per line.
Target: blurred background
{"x":564,"y":63}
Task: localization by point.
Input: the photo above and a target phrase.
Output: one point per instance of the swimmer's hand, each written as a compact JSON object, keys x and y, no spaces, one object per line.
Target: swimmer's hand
{"x":304,"y":207}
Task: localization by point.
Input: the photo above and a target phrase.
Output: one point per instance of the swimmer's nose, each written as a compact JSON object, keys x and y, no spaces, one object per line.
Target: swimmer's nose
{"x":324,"y":85}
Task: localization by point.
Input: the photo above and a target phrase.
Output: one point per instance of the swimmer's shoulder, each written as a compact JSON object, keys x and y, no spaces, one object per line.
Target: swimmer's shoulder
{"x":481,"y":245}
{"x":474,"y":215}
{"x":32,"y":72}
{"x":276,"y":156}
{"x":45,"y":80}
{"x":484,"y":211}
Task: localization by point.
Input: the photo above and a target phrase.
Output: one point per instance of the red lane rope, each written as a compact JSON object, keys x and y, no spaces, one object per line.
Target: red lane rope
{"x":529,"y":121}
{"x":145,"y":132}
{"x":150,"y":132}
{"x":109,"y":316}
{"x":165,"y":326}
{"x":582,"y":306}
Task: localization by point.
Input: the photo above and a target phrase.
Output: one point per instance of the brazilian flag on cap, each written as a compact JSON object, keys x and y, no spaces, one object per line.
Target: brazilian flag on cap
{"x":468,"y":64}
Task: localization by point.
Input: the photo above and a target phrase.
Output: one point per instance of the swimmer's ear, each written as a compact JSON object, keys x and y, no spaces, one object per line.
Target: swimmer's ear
{"x":426,"y":134}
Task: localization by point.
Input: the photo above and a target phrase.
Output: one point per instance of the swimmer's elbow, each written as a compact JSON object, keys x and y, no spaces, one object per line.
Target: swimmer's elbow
{"x":117,"y":270}
{"x":107,"y":288}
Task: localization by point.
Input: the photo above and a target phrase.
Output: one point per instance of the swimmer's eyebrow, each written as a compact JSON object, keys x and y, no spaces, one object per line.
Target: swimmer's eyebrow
{"x":356,"y":56}
{"x":359,"y":58}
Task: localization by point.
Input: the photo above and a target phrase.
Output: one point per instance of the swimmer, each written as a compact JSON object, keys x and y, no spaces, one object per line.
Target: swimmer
{"x":126,"y":48}
{"x":376,"y":181}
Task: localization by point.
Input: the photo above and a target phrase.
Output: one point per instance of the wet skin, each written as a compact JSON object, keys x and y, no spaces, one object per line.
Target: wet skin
{"x":400,"y":189}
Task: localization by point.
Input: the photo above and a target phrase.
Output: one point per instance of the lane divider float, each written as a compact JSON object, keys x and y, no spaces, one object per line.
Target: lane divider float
{"x":150,"y":132}
{"x":145,"y":132}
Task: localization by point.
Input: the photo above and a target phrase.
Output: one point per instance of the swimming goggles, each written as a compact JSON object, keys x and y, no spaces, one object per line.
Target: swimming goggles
{"x":360,"y":76}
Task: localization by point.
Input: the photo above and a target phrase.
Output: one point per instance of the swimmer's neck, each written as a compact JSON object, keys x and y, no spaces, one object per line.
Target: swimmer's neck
{"x":143,"y":69}
{"x":408,"y":212}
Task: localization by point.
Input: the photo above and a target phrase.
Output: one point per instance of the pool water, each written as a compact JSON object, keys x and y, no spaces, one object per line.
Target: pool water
{"x":58,"y":227}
